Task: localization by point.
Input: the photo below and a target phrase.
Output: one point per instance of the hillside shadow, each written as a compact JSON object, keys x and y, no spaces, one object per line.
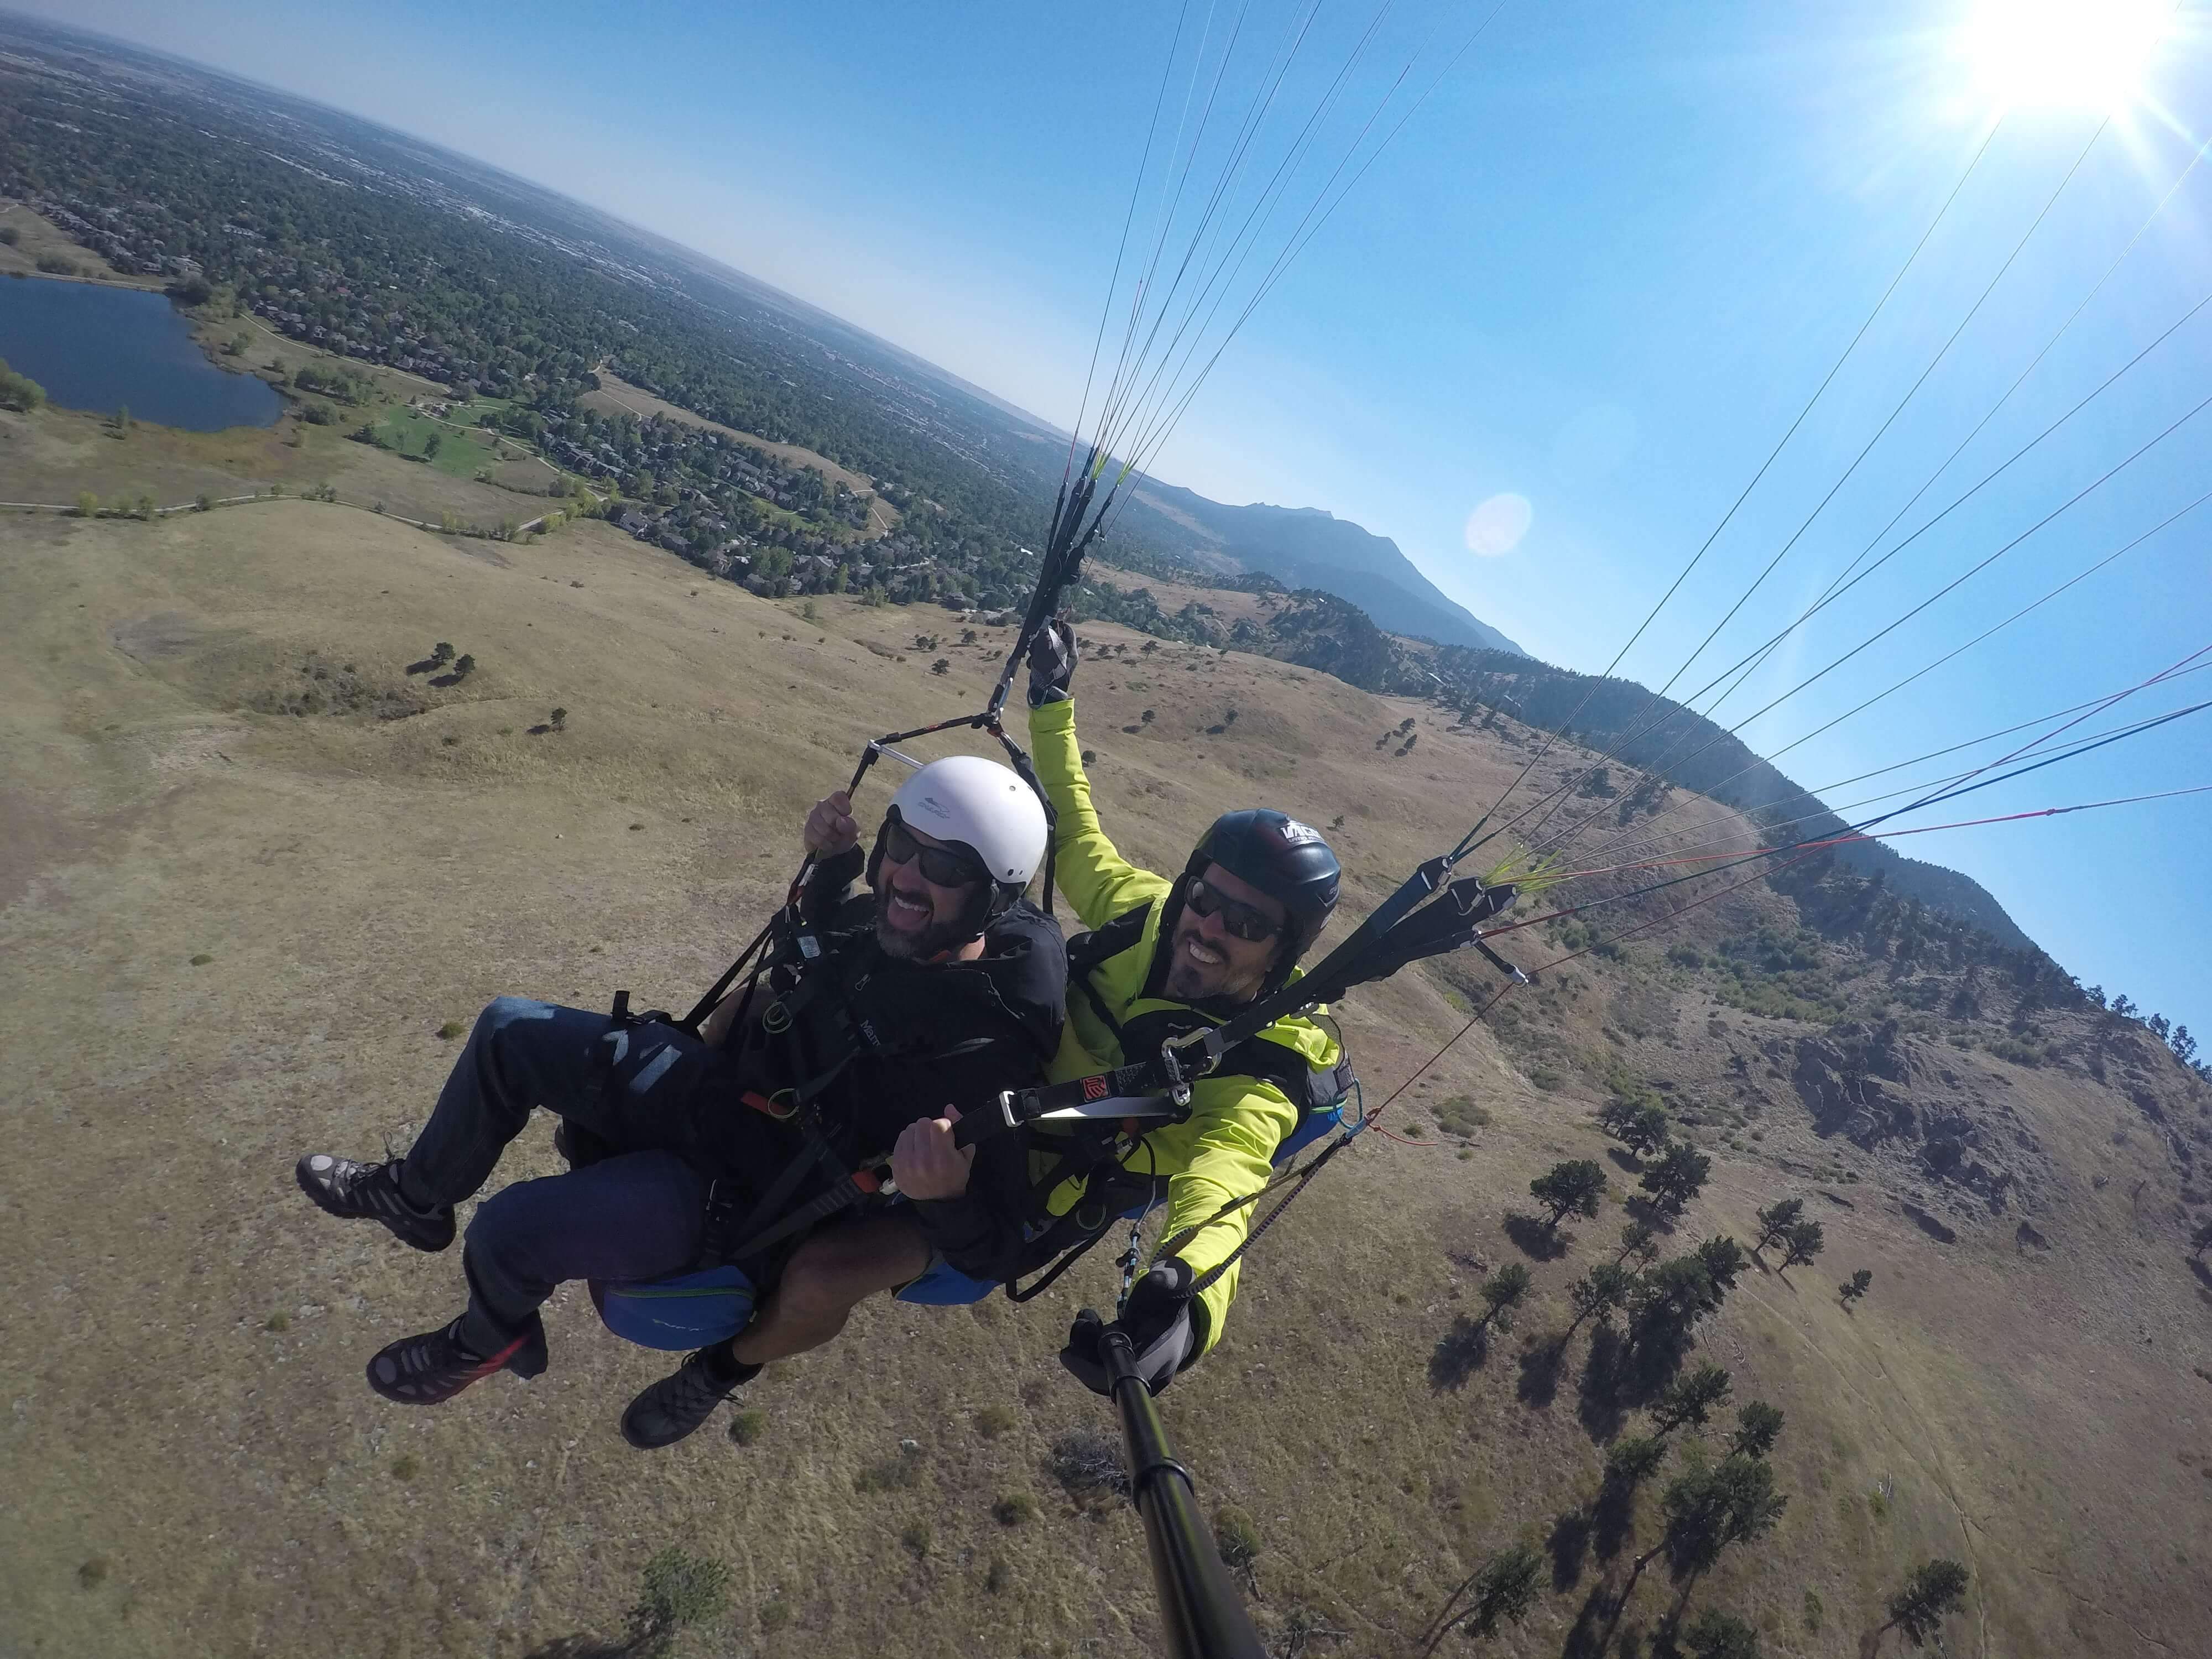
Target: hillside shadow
{"x":1540,"y":1368}
{"x":1611,"y":1519}
{"x":1460,"y":1353}
{"x":1644,"y":1210}
{"x":1592,"y":1630}
{"x":1533,"y":1239}
{"x":443,"y":681}
{"x":1598,"y":1401}
{"x":539,"y":730}
{"x":425,"y":665}
{"x":1568,"y":1545}
{"x":2203,"y":1273}
{"x":1623,"y":1159}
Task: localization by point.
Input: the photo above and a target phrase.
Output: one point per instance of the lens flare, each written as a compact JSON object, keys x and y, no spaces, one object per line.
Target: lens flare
{"x":1496,"y":527}
{"x":2052,"y":53}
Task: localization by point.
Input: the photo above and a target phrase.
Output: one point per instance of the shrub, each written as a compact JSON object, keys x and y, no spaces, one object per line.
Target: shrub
{"x":1460,"y":1116}
{"x":1088,"y":1463}
{"x":678,"y":1589}
{"x":748,"y":1425}
{"x":998,"y":1576}
{"x":278,"y":1321}
{"x":405,"y":1468}
{"x":1235,"y":1535}
{"x":775,"y":1615}
{"x":892,"y":1474}
{"x":992,"y":1421}
{"x":200,"y":959}
{"x":1013,"y":1508}
{"x":54,"y":265}
{"x":917,"y":1537}
{"x":87,"y":505}
{"x":1816,"y":1613}
{"x":93,"y":1573}
{"x":19,"y":391}
{"x":450,"y":1030}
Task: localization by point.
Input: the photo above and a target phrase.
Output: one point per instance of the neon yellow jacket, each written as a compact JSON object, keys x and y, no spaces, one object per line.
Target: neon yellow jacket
{"x":1222,"y":1150}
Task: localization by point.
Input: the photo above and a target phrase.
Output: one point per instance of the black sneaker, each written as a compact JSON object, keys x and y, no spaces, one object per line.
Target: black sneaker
{"x":431,"y":1369}
{"x":344,"y":1187}
{"x":678,"y":1404}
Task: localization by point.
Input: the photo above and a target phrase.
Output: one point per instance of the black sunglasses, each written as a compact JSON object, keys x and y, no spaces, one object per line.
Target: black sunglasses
{"x":940,"y":867}
{"x":1244,"y":921}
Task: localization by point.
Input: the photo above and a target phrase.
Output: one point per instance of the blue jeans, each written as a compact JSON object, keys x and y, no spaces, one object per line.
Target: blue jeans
{"x":646,"y":1091}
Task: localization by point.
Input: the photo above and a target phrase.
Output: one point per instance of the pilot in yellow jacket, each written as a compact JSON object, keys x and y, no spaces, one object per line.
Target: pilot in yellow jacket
{"x":1165,"y":957}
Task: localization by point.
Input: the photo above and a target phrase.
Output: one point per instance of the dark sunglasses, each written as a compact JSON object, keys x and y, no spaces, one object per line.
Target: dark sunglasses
{"x":940,"y":866}
{"x":1246,"y":922}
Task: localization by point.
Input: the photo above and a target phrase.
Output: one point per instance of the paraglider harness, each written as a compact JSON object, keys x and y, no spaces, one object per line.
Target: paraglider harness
{"x":1098,"y":1151}
{"x":1177,"y":1047}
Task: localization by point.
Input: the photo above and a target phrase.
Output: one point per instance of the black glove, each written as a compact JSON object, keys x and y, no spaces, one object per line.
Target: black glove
{"x":1156,"y":1323}
{"x":1052,"y":662}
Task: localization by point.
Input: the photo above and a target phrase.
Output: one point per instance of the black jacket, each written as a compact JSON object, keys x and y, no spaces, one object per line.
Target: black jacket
{"x":898,"y":1041}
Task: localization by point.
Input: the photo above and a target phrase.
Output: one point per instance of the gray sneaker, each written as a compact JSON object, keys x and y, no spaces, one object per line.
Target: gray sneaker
{"x":672,"y":1408}
{"x":347,"y":1188}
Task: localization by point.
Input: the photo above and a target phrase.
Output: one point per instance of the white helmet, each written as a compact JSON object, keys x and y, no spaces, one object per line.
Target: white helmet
{"x":983,"y":807}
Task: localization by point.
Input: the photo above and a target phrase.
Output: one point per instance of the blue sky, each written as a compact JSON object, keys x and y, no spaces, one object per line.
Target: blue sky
{"x":1602,"y":270}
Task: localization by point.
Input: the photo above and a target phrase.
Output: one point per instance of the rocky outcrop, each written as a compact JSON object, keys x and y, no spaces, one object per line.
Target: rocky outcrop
{"x":1905,"y":1101}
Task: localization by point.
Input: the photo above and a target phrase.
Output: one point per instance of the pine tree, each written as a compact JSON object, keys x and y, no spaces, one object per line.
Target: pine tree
{"x":1856,"y":1286}
{"x":1717,"y":1635}
{"x":1775,"y":1220}
{"x":1802,"y":1242}
{"x":1569,"y":1189}
{"x":1637,"y":1240}
{"x":1504,"y":1589}
{"x":1648,"y":1131}
{"x":1676,"y":1178}
{"x":1691,"y":1399}
{"x":1723,"y":1259}
{"x":1599,"y":1294}
{"x":1758,"y":1426}
{"x":1502,"y":1292}
{"x":1933,"y":1590}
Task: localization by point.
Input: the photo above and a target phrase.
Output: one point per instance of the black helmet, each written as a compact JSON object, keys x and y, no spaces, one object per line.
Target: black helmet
{"x":1285,"y":860}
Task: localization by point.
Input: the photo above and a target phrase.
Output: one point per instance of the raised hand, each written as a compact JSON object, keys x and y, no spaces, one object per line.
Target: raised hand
{"x":830,"y":829}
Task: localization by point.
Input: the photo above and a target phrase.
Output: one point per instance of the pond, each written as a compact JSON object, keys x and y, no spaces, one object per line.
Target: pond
{"x":103,"y":349}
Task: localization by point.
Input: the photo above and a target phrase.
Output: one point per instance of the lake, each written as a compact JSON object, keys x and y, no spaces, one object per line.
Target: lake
{"x":102,"y":349}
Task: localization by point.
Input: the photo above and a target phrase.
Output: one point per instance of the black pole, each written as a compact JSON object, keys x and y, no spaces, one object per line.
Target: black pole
{"x":1200,"y":1608}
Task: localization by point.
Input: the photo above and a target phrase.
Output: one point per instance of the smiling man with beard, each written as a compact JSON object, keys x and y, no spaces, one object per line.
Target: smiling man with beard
{"x":881,"y":1014}
{"x":1165,"y":958}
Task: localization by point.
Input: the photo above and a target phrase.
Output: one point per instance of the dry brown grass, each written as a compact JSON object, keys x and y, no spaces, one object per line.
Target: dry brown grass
{"x":356,"y":885}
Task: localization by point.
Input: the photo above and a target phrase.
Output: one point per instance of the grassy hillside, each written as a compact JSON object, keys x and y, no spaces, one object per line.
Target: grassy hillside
{"x":239,"y":934}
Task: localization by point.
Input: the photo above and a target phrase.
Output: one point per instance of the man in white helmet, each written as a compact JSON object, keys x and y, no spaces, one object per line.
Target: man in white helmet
{"x":939,"y":984}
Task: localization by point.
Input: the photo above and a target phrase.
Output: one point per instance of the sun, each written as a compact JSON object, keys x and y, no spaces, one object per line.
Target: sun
{"x":2073,"y":53}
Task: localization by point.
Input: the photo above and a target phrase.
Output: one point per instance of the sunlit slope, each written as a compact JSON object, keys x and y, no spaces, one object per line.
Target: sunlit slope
{"x":193,"y":1462}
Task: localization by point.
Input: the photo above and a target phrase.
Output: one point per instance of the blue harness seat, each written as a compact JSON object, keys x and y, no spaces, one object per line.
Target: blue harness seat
{"x":698,"y":1310}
